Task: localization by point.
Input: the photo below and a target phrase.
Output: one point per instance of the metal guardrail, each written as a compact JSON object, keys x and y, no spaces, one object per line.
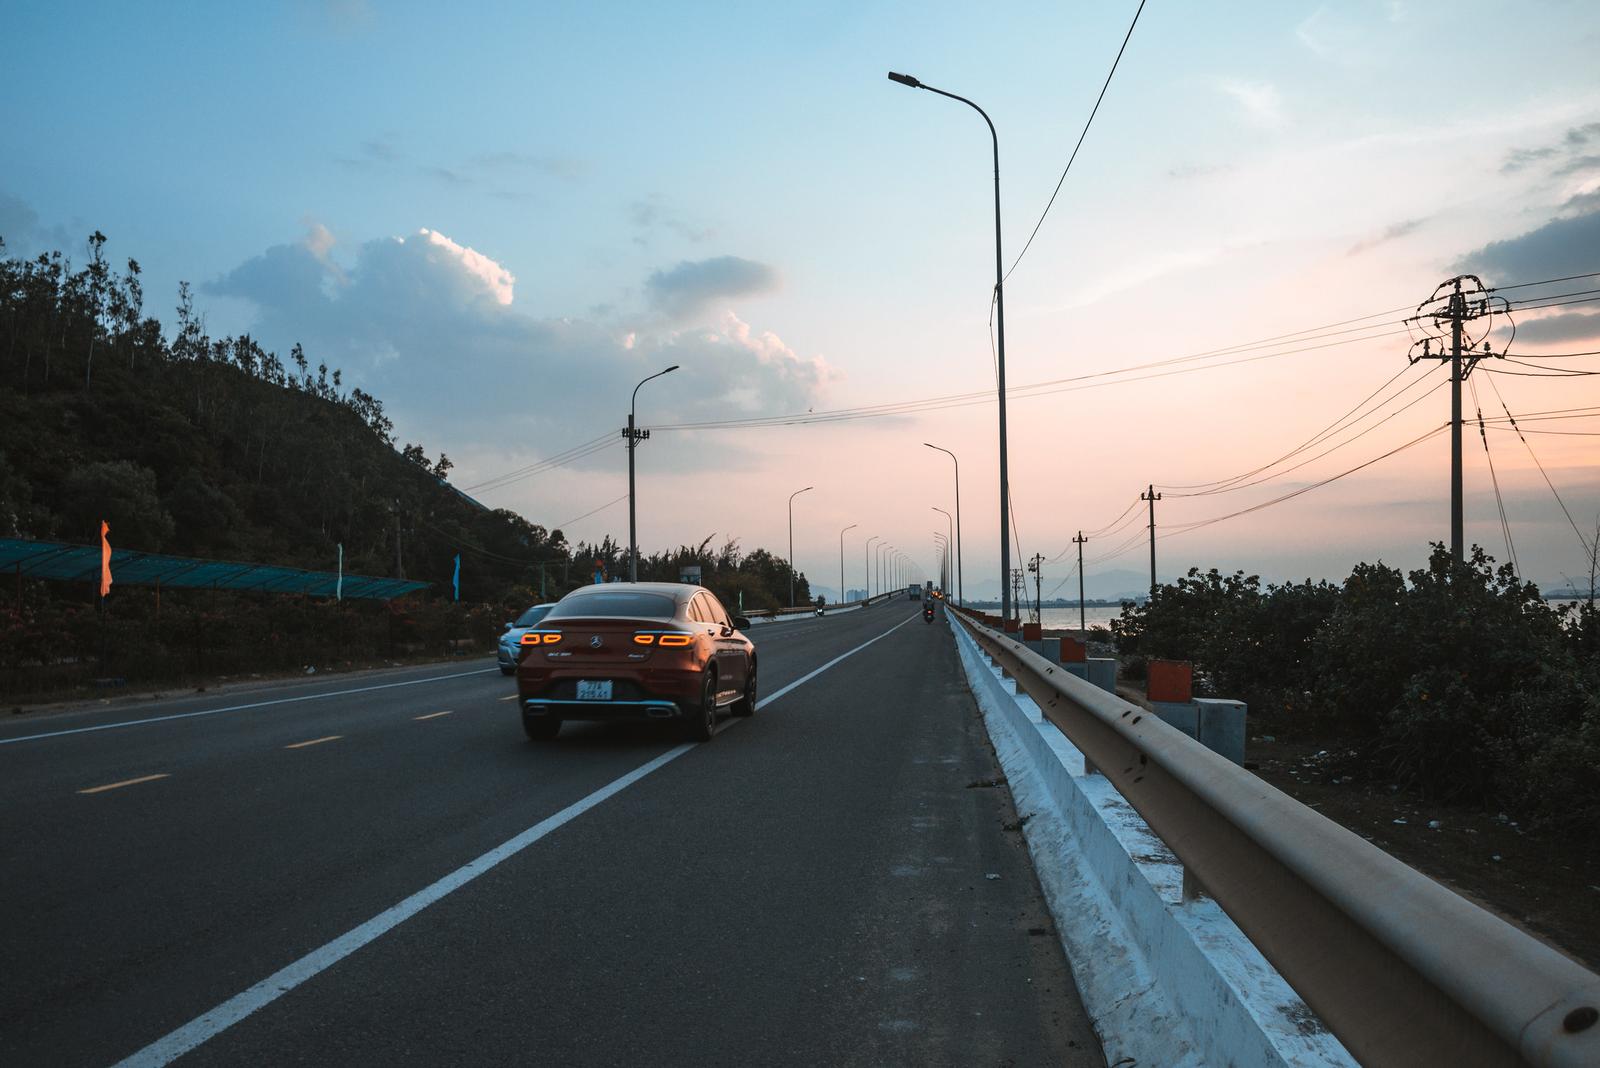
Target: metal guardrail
{"x":1402,"y":970}
{"x":807,"y":609}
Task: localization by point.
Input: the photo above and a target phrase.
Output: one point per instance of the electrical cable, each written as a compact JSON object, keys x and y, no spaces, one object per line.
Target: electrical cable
{"x":1587,"y":548}
{"x":1184,"y":528}
{"x":1545,"y":281}
{"x":1092,"y":112}
{"x":1332,"y":429}
{"x":1494,"y":479}
{"x":586,"y":515}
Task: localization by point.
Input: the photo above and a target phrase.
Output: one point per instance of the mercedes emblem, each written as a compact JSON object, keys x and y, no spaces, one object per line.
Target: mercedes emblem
{"x":595,"y":642}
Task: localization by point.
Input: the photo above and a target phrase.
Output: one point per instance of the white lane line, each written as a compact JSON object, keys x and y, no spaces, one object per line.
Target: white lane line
{"x":170,"y":1047}
{"x":241,"y":708}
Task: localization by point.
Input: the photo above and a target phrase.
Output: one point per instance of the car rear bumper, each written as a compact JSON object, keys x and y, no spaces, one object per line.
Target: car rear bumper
{"x":557,"y":708}
{"x":648,"y":694}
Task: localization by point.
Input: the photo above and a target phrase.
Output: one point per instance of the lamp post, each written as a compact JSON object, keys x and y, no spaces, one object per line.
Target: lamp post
{"x":866,"y":553}
{"x":852,"y":526}
{"x":960,"y":596}
{"x":883,"y":551}
{"x":949,"y":538}
{"x":942,"y":541}
{"x":1000,"y":354}
{"x":792,"y":496}
{"x":634,"y":437}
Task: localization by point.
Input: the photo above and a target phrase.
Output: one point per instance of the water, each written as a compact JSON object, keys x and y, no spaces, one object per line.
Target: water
{"x":1067,"y":618}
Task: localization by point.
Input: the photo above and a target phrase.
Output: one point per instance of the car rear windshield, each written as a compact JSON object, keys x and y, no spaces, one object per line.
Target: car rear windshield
{"x":531,"y":617}
{"x":623,"y":603}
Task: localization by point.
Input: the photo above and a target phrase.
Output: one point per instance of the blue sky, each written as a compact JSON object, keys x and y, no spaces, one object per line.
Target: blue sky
{"x":820,"y":237}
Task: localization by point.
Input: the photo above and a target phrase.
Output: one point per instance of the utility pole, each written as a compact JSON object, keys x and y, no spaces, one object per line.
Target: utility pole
{"x":1083,"y":626}
{"x":1456,"y":307}
{"x":1152,"y":497}
{"x":1018,"y":584}
{"x":1036,"y":566}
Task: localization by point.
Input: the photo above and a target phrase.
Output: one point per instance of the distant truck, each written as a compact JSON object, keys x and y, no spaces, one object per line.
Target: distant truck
{"x":914,"y":591}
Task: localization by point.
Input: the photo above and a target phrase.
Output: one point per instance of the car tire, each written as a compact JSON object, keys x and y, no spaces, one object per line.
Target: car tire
{"x":746,"y":705}
{"x":507,"y":670}
{"x":700,"y":722}
{"x":541,"y":728}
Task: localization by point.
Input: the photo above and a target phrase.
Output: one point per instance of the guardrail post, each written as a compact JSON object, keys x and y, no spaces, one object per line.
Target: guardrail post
{"x":1192,"y":890}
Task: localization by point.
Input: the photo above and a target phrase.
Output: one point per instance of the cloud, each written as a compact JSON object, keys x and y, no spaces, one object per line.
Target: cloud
{"x":430,"y":326}
{"x":1261,"y":101}
{"x":651,"y":215}
{"x":1571,"y":149}
{"x":690,"y":287}
{"x":1563,"y":326}
{"x":555,"y":166}
{"x":25,"y":235}
{"x":1562,"y":246}
{"x":1391,"y":233}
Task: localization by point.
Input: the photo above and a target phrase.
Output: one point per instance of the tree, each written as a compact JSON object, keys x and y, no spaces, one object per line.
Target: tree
{"x":124,"y":495}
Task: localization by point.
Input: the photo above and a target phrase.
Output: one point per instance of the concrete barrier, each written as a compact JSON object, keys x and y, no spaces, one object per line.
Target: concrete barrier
{"x":1166,"y":981}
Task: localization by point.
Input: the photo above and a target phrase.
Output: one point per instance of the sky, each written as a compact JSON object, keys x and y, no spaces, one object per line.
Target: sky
{"x":499,"y":218}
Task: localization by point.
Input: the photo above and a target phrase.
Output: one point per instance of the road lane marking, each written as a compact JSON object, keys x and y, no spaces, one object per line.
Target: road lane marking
{"x":124,"y":782}
{"x":434,"y":715}
{"x":315,"y":741}
{"x":509,"y":697}
{"x":170,"y":1047}
{"x":241,"y":708}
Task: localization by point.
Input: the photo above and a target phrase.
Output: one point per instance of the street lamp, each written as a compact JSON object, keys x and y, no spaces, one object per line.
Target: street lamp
{"x":960,"y":595}
{"x":883,"y":552}
{"x":949,"y":538}
{"x":867,"y":561}
{"x":942,"y":541}
{"x":1000,"y":354}
{"x":792,"y":496}
{"x":634,"y":437}
{"x":852,"y":526}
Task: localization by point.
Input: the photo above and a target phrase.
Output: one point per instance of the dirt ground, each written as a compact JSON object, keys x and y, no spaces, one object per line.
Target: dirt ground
{"x":1532,"y":879}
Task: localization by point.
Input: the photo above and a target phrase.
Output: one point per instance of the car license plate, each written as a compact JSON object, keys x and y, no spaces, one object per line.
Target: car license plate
{"x":594,"y":691}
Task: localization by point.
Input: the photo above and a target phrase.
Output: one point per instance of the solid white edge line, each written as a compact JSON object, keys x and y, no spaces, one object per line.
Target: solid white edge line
{"x":170,"y":1047}
{"x":241,"y":708}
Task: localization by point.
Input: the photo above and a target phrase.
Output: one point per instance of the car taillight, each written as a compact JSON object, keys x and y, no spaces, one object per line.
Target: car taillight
{"x":541,"y":637}
{"x":644,"y":639}
{"x":671,"y":640}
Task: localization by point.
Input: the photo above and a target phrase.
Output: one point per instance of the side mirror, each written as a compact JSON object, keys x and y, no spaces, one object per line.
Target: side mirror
{"x":741,"y":623}
{"x":511,"y":624}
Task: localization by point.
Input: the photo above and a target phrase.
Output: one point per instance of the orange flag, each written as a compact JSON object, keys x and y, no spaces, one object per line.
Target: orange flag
{"x":105,"y":559}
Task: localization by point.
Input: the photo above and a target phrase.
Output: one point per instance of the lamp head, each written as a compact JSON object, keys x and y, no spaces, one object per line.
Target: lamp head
{"x":905,"y":79}
{"x":674,"y":367}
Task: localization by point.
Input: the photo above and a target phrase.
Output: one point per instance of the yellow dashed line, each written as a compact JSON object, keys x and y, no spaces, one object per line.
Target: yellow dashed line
{"x":315,"y":741}
{"x":124,"y":782}
{"x":435,"y":715}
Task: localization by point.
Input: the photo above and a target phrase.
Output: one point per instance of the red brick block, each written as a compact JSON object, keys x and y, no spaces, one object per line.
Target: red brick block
{"x":1170,"y":680}
{"x":1074,"y":651}
{"x":1032,"y":632}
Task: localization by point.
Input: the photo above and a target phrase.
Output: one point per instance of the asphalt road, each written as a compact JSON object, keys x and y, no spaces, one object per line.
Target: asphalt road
{"x":382,"y":870}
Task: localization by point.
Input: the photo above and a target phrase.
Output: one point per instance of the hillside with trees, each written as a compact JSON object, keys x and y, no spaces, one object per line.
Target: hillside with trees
{"x":216,"y":447}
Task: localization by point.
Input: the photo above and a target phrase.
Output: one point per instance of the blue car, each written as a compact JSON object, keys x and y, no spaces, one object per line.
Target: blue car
{"x":511,"y":641}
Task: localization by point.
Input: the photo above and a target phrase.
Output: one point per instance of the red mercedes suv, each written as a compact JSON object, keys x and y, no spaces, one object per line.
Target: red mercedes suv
{"x":636,"y":650}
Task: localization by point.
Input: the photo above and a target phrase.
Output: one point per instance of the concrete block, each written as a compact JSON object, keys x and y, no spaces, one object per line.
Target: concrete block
{"x":1080,"y":670}
{"x":1222,"y":726}
{"x":1184,"y":715}
{"x":1103,"y":672}
{"x":1049,"y":648}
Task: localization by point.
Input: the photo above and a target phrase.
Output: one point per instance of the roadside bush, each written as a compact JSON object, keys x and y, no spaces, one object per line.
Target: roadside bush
{"x":1457,"y":679}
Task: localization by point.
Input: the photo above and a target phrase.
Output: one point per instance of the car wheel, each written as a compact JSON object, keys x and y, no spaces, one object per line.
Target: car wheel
{"x":507,"y":670}
{"x":542,"y":728}
{"x":701,"y":723}
{"x":746,"y":705}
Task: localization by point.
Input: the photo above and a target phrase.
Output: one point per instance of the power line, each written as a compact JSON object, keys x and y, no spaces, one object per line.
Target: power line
{"x":1494,"y":479}
{"x":1587,"y":548}
{"x":1092,"y":112}
{"x":1545,"y":281}
{"x":1184,"y":528}
{"x":1344,"y":422}
{"x":586,"y":515}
